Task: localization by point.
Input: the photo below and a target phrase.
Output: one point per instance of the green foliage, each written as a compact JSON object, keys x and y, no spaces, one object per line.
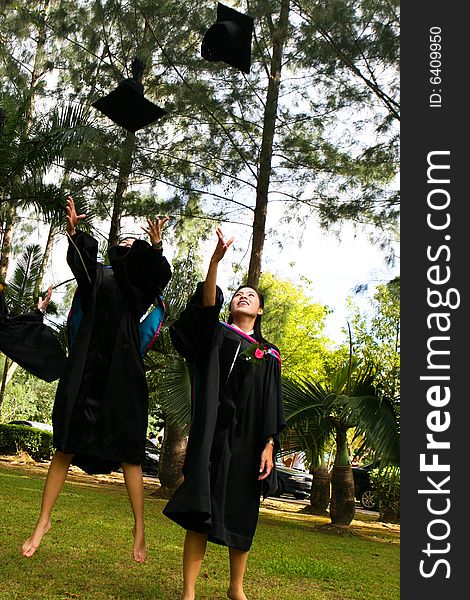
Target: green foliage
{"x":350,"y":399}
{"x":386,"y":487}
{"x":37,"y":443}
{"x":29,"y":147}
{"x":377,"y":339}
{"x":345,"y":150}
{"x":294,"y":323}
{"x":172,"y":389}
{"x":19,"y":292}
{"x":28,"y":397}
{"x":341,"y":61}
{"x":354,"y":45}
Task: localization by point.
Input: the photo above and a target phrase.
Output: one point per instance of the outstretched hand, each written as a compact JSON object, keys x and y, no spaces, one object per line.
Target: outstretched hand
{"x":222,"y":246}
{"x":44,"y":303}
{"x":155,"y":228}
{"x":210,"y":286}
{"x":71,"y":217}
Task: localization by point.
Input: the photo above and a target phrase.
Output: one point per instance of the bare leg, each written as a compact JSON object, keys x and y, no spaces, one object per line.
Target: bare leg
{"x":238,"y":560}
{"x":135,"y":491}
{"x":56,"y":476}
{"x":193,"y":554}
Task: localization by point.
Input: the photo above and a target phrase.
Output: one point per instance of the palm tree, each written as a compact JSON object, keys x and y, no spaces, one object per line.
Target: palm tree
{"x":350,"y":400}
{"x":168,"y":378}
{"x":25,"y":155}
{"x":28,"y":148}
{"x":169,"y":381}
{"x":320,"y":492}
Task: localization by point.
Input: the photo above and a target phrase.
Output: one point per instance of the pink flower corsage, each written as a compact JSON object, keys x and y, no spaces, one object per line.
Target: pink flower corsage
{"x":255,"y":353}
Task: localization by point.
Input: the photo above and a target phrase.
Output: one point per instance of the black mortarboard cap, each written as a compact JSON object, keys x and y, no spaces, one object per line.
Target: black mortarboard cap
{"x":229,"y":39}
{"x":127,"y":106}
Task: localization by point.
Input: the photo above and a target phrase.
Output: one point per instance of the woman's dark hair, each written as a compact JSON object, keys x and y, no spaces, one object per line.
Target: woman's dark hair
{"x":120,"y":252}
{"x":123,"y":237}
{"x":257,"y":327}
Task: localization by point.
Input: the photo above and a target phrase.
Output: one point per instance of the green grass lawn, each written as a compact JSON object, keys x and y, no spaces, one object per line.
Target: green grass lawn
{"x":87,"y":554}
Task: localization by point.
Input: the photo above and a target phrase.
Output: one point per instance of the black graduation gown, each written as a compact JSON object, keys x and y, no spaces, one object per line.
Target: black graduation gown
{"x":101,"y":405}
{"x":27,"y":341}
{"x":236,"y":405}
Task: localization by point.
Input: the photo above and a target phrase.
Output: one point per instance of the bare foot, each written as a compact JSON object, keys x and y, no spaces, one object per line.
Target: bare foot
{"x":140,"y":549}
{"x":32,"y":543}
{"x":236,"y":595}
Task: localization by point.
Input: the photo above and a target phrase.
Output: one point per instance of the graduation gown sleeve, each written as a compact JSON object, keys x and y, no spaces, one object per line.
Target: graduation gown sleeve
{"x":31,"y":344}
{"x":81,"y":258}
{"x":192,"y":333}
{"x":274,"y":420}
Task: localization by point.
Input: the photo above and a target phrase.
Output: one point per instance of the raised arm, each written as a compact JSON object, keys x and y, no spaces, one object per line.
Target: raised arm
{"x":154,"y":231}
{"x":209,"y":291}
{"x":72,"y":219}
{"x":82,"y":251}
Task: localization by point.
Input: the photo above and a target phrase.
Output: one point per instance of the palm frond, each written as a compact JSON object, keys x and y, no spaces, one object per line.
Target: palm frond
{"x":63,"y":127}
{"x":344,"y":376}
{"x":303,"y":437}
{"x":315,"y":411}
{"x":174,"y":390}
{"x":375,"y":420}
{"x":60,"y":330}
{"x":27,"y":154}
{"x":310,"y":422}
{"x":48,"y":199}
{"x":305,"y":399}
{"x":20,"y":290}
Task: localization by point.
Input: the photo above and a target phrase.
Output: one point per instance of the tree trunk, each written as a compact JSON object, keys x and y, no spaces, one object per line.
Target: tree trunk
{"x":7,"y":235}
{"x":11,"y":371}
{"x":343,"y":502}
{"x":39,"y":58}
{"x":320,"y":493}
{"x":3,"y":384}
{"x":171,"y":459}
{"x":279,"y":35}
{"x":45,"y":259}
{"x":125,"y":169}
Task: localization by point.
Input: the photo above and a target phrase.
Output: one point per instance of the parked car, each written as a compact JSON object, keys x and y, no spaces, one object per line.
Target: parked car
{"x":152,"y":459}
{"x":35,"y":424}
{"x":293,"y":482}
{"x":363,"y":488}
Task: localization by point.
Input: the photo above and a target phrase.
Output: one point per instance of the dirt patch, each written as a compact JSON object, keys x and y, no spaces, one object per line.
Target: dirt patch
{"x":23,"y":461}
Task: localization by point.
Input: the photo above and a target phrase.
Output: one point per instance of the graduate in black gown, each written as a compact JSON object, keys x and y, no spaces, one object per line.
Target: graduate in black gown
{"x":101,"y":405}
{"x":237,"y":416}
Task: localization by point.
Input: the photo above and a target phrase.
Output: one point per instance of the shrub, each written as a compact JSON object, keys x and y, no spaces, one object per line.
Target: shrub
{"x":28,"y":397}
{"x":385,"y":484}
{"x":37,"y":443}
